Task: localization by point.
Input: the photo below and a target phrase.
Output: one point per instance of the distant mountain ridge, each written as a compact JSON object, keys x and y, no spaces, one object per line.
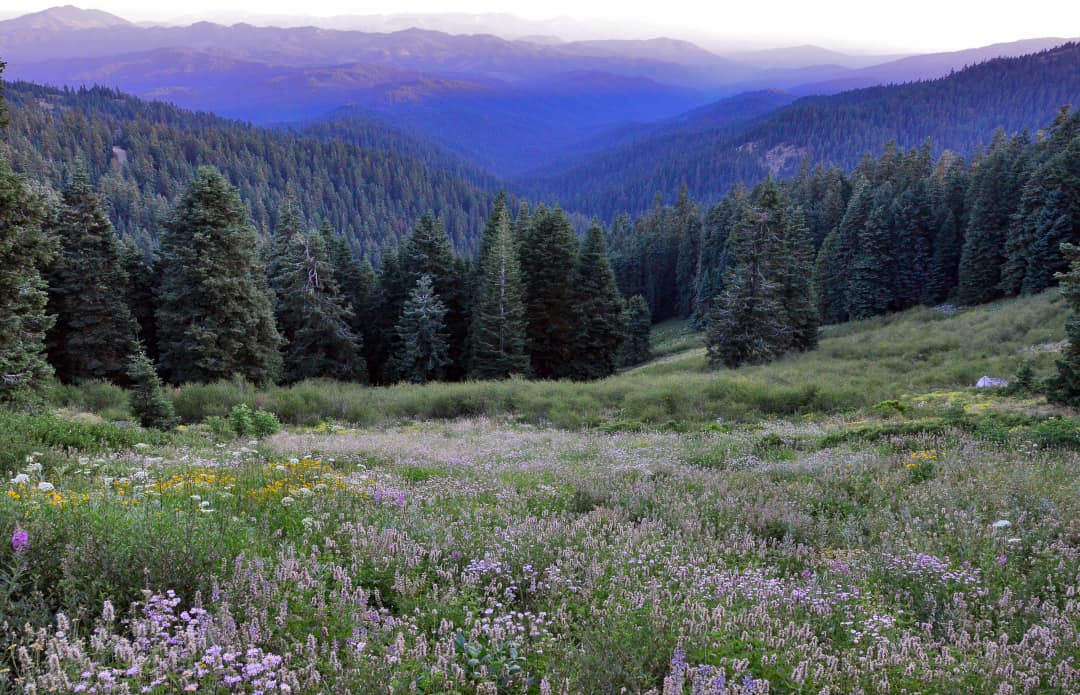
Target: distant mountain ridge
{"x":957,"y":112}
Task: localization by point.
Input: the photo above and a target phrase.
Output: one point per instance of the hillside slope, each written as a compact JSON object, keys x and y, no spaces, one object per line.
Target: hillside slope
{"x":958,"y":112}
{"x":143,"y":154}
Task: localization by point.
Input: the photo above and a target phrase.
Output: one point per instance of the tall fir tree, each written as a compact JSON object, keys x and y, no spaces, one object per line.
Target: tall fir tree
{"x":835,"y":258}
{"x":428,"y":251}
{"x":870,"y":287}
{"x":497,"y":329}
{"x":748,"y":324}
{"x":94,"y":334}
{"x":391,"y":294}
{"x":141,"y":295}
{"x":25,"y":250}
{"x":1065,"y":387}
{"x":797,"y":282}
{"x":994,"y":194}
{"x":215,"y":316}
{"x":312,"y":315}
{"x":552,"y":319}
{"x":423,"y":344}
{"x":635,"y":347}
{"x":601,"y":310}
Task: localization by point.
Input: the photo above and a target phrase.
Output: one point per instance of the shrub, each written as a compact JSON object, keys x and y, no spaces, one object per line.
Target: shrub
{"x":149,"y":404}
{"x":264,"y":423}
{"x":241,"y":420}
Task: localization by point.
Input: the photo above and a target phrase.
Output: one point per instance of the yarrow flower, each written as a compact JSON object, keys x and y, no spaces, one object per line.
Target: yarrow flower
{"x":20,"y":539}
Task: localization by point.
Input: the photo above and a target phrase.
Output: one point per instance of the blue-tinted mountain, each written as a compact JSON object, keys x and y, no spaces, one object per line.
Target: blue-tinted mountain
{"x":959,"y":112}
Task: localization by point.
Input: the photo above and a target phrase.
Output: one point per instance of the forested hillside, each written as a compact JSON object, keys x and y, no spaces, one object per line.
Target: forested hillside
{"x":142,"y":154}
{"x":957,"y":113}
{"x":902,"y":229}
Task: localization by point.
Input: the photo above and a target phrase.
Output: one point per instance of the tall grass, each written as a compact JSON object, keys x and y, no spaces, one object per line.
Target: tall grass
{"x":856,"y":365}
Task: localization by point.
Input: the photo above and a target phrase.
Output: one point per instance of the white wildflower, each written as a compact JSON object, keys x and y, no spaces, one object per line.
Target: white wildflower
{"x":1001,"y":523}
{"x":287,"y":501}
{"x":21,"y":479}
{"x":45,"y":487}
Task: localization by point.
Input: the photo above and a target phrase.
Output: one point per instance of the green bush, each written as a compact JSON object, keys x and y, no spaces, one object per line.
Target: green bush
{"x":97,"y":396}
{"x":264,"y":423}
{"x":241,"y":420}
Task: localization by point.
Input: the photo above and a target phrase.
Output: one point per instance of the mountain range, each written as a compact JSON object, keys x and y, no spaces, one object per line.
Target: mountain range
{"x":599,"y":125}
{"x":512,"y":106}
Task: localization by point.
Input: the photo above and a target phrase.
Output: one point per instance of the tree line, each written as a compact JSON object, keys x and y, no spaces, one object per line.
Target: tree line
{"x":902,"y":229}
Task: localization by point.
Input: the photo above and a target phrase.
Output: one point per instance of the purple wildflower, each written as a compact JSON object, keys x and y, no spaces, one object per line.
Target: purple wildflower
{"x":20,"y":539}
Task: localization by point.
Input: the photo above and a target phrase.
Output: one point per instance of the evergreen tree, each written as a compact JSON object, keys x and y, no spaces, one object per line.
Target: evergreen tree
{"x":1065,"y":387}
{"x":635,"y":345}
{"x":497,"y":330}
{"x":748,"y":325}
{"x":423,"y":345}
{"x":870,"y":288}
{"x":548,"y":254}
{"x":797,"y":280}
{"x":688,"y":266}
{"x":149,"y":404}
{"x":312,"y":315}
{"x":94,"y":333}
{"x":381,"y":342}
{"x":141,"y":295}
{"x":215,"y":316}
{"x":601,"y":310}
{"x":24,"y":251}
{"x":835,"y":258}
{"x":994,"y":195}
{"x":427,"y":251}
{"x":830,"y":280}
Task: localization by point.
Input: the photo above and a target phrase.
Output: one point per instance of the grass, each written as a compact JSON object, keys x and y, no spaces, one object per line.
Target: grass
{"x":856,"y":365}
{"x":485,"y":556}
{"x":831,"y":521}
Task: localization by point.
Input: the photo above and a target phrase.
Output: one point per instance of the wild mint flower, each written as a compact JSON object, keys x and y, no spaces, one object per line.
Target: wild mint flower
{"x":20,"y":539}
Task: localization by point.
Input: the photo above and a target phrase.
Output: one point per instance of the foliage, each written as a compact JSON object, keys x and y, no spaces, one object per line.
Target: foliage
{"x":94,"y":333}
{"x":214,"y":317}
{"x":149,"y":404}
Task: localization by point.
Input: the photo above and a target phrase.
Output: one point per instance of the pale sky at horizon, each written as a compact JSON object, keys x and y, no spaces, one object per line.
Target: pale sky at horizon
{"x":918,"y":25}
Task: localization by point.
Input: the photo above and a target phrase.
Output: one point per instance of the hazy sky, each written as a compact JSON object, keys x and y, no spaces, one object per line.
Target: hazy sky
{"x":925,"y":25}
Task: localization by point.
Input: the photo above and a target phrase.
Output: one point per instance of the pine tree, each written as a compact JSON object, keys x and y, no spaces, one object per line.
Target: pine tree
{"x":215,"y":316}
{"x":797,"y":282}
{"x":601,"y":309}
{"x":94,"y":334}
{"x":748,"y":324}
{"x":428,"y":251}
{"x":312,"y":315}
{"x":688,"y":265}
{"x":1065,"y":387}
{"x":149,"y":404}
{"x":497,"y":331}
{"x":635,"y":346}
{"x":141,"y":295}
{"x":835,"y":258}
{"x":548,"y":253}
{"x":391,"y":295}
{"x":24,"y":251}
{"x":424,"y":348}
{"x":870,"y":288}
{"x":994,"y":195}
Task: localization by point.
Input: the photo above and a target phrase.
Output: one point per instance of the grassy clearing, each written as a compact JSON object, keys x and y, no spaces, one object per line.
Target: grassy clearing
{"x":856,"y":366}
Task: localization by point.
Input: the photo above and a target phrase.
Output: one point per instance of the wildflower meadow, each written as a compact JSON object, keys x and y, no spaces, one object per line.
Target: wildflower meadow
{"x":928,"y":544}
